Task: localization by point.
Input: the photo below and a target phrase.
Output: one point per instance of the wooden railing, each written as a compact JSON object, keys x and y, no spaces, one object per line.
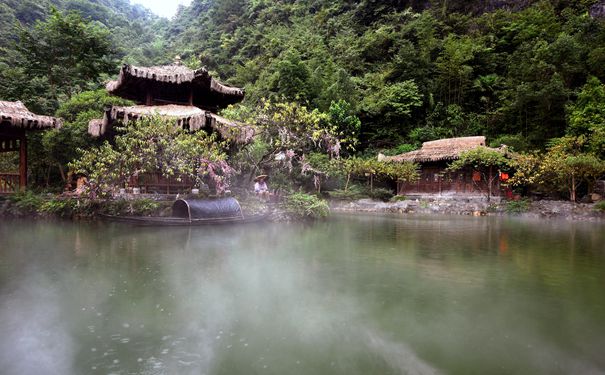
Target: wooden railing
{"x":156,"y":183}
{"x":9,"y":183}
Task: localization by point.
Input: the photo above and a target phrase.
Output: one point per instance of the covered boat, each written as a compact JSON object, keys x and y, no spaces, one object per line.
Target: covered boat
{"x":196,"y":212}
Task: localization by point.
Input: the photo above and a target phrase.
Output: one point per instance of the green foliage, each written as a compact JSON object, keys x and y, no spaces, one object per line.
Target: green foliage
{"x":59,"y":207}
{"x":561,"y":170}
{"x":67,"y":52}
{"x":586,"y":116}
{"x":354,"y":75}
{"x":480,"y":158}
{"x":136,"y":207}
{"x":155,"y":145}
{"x":27,"y":201}
{"x":515,"y":142}
{"x":353,"y":192}
{"x":564,"y":167}
{"x":600,"y":206}
{"x":381,"y":194}
{"x":485,"y":160}
{"x":303,"y":205}
{"x":517,"y":207}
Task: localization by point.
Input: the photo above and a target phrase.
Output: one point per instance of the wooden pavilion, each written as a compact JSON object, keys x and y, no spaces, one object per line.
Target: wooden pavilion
{"x":191,"y":97}
{"x":434,"y":158}
{"x":15,"y":121}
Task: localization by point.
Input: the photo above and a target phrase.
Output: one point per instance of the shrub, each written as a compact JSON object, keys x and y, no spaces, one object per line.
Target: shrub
{"x":381,"y":194}
{"x":27,"y":201}
{"x":59,"y":207}
{"x":144,"y":207}
{"x":600,"y":206}
{"x":303,"y":205}
{"x":517,"y":207}
{"x":398,"y":198}
{"x":352,"y":193}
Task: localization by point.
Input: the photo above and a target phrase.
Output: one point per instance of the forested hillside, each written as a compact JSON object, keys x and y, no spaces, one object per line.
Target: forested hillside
{"x":43,"y":63}
{"x":413,"y":70}
{"x":410,"y":70}
{"x":136,"y":31}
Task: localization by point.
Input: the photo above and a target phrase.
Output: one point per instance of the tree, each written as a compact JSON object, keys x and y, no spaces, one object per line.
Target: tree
{"x":58,"y":147}
{"x":586,"y":117}
{"x":155,"y":145}
{"x":372,"y":167}
{"x":67,"y":52}
{"x":564,"y":167}
{"x":287,"y":132}
{"x":485,"y":160}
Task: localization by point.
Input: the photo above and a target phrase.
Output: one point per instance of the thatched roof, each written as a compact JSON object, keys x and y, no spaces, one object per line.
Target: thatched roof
{"x":187,"y":117}
{"x":173,"y":83}
{"x":442,"y":149}
{"x":15,"y":114}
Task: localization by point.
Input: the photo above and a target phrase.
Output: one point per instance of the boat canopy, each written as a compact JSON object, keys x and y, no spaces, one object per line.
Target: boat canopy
{"x":192,"y":209}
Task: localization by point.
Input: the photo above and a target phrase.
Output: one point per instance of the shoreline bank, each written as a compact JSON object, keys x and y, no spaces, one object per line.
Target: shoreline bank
{"x":78,"y":208}
{"x":543,"y":209}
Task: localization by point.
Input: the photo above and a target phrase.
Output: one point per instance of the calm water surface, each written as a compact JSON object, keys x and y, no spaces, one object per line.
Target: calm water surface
{"x":352,"y":295}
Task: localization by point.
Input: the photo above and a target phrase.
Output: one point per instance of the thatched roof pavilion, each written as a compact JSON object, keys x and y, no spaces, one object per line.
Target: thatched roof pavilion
{"x":188,"y":117}
{"x":15,"y":120}
{"x":441,"y":150}
{"x":174,"y":84}
{"x":191,"y":97}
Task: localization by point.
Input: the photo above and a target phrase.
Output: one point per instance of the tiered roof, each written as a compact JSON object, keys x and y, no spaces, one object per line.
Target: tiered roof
{"x":16,"y":115}
{"x":173,"y":84}
{"x":190,"y":97}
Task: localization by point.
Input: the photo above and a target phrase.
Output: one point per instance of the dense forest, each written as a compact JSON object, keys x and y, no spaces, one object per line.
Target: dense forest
{"x":519,"y":72}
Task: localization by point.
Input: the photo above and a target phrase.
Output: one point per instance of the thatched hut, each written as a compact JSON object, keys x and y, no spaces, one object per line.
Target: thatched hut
{"x":191,"y":97}
{"x":434,"y":157}
{"x":15,"y":120}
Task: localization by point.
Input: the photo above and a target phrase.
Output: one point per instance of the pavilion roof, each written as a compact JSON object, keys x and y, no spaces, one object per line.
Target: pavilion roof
{"x":187,"y":117}
{"x":15,"y":114}
{"x":174,"y":83}
{"x":442,"y":149}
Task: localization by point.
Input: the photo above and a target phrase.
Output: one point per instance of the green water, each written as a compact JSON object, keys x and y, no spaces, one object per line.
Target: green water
{"x":352,"y":295}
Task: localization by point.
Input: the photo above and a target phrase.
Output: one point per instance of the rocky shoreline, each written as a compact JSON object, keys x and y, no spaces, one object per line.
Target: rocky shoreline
{"x":475,"y":207}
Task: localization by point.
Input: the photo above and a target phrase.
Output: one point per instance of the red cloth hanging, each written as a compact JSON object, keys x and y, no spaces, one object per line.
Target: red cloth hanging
{"x":503,"y":176}
{"x":476,"y":176}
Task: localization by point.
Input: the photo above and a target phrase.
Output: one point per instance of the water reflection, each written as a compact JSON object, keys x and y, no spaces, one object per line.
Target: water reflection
{"x":353,"y":295}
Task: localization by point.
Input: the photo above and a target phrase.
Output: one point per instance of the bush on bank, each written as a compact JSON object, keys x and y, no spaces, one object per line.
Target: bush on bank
{"x":32,"y":204}
{"x":303,"y":206}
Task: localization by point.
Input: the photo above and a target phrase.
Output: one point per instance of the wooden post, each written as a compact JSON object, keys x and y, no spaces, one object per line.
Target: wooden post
{"x":191,"y":96}
{"x":149,"y":98}
{"x":22,"y":162}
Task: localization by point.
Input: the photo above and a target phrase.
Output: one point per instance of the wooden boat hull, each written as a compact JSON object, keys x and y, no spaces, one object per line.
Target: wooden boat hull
{"x":177,"y":221}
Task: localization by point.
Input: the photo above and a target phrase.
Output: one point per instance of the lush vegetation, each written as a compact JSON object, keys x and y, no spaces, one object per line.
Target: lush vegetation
{"x":154,"y":145}
{"x":328,"y":85}
{"x":411,"y":75}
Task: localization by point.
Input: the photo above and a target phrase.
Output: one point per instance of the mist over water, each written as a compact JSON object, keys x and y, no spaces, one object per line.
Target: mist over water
{"x":352,"y":295}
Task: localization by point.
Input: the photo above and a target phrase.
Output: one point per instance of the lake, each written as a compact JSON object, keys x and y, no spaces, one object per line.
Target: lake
{"x":350,"y":295}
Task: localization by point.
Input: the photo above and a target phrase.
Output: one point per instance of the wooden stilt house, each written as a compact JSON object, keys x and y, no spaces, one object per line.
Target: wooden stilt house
{"x":15,"y":121}
{"x":434,"y":158}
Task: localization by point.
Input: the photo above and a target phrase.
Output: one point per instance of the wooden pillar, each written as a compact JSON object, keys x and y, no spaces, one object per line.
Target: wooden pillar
{"x":191,"y":96}
{"x":149,"y":98}
{"x":22,"y":162}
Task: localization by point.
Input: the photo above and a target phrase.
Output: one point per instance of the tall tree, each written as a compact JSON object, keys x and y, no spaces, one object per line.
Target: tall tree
{"x":66,"y":52}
